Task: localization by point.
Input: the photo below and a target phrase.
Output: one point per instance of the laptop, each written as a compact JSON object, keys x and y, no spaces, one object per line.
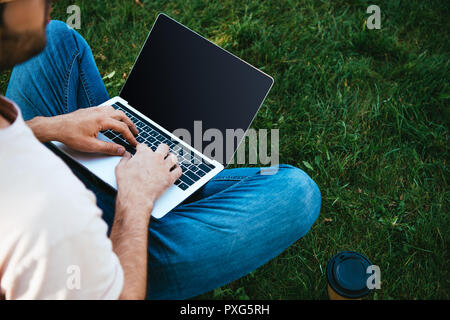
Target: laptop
{"x":181,"y":78}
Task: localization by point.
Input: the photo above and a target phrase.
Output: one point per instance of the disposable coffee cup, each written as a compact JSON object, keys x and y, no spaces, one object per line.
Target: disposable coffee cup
{"x":347,"y":276}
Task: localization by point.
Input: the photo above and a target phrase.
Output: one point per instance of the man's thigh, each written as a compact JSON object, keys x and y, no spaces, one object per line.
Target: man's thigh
{"x":63,"y":78}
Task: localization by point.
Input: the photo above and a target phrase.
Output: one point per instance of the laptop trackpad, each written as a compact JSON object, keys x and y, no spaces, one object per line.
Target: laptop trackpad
{"x":103,"y":166}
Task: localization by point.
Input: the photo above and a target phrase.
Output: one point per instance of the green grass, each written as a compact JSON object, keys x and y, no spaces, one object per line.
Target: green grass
{"x":366,"y":110}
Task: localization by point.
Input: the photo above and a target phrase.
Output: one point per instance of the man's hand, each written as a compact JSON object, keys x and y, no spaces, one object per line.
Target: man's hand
{"x":142,"y":179}
{"x":79,"y":129}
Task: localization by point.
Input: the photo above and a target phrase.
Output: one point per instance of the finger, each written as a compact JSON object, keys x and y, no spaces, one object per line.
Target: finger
{"x":163,"y":149}
{"x":171,"y":160}
{"x":110,"y":148}
{"x":121,"y":128}
{"x":121,"y":116}
{"x":141,"y":147}
{"x":176,"y":173}
{"x":125,"y":158}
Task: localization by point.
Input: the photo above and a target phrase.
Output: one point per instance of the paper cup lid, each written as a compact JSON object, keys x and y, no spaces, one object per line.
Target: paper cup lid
{"x":346,"y":273}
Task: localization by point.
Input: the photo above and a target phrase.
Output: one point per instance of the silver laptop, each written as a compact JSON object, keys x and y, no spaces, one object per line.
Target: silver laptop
{"x":179,"y":80}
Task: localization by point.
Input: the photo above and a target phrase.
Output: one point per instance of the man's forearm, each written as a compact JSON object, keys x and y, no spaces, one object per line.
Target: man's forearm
{"x":45,"y":129}
{"x":129,"y":236}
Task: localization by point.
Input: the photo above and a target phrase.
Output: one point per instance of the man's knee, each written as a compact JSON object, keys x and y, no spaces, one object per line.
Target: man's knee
{"x":304,"y":196}
{"x":60,"y":35}
{"x":58,"y":31}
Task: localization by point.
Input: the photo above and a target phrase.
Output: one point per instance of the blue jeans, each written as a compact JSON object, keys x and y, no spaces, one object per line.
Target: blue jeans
{"x":234,"y":224}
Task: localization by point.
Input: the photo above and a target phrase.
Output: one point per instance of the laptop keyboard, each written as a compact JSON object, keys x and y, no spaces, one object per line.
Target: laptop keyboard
{"x":193,"y":166}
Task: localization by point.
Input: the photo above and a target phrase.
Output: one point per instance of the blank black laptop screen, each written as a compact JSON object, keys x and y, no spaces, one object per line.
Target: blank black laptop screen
{"x":181,"y":77}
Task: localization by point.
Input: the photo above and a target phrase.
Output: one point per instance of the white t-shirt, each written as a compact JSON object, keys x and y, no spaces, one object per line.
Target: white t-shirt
{"x":53,"y":241}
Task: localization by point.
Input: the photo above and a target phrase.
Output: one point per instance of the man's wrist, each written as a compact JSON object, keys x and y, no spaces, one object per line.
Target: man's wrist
{"x":46,"y":129}
{"x":142,"y":208}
